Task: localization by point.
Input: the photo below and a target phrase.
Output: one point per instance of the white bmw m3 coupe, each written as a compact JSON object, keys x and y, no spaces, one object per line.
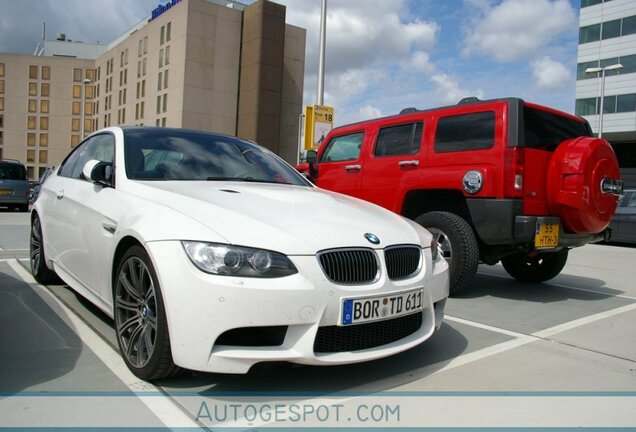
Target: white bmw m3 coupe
{"x":212,"y":254}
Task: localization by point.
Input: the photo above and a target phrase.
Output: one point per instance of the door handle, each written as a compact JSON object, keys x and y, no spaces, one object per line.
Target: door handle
{"x":353,"y":167}
{"x":409,"y":163}
{"x":60,"y":194}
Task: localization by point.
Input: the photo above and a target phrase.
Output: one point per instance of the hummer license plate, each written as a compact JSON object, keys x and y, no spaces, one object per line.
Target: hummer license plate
{"x":547,"y":236}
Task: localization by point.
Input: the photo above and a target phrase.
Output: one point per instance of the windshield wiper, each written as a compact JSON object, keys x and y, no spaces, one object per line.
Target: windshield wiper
{"x":243,"y":179}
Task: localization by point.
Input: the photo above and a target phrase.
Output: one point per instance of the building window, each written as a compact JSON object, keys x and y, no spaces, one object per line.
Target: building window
{"x":44,"y":106}
{"x":44,"y":89}
{"x":1,"y":120}
{"x":165,"y":79}
{"x":44,"y":140}
{"x":31,"y":139}
{"x":141,"y":110}
{"x":158,"y":122}
{"x":138,"y":90}
{"x":143,"y":88}
{"x":77,"y":108}
{"x":159,"y":81}
{"x":626,"y":103}
{"x":88,"y":108}
{"x":77,"y":75}
{"x":168,"y":28}
{"x":89,"y":91}
{"x":33,"y":105}
{"x":30,"y":156}
{"x":611,"y":29}
{"x":31,"y":122}
{"x":167,"y":62}
{"x":140,"y":48}
{"x":629,"y":26}
{"x":33,"y":89}
{"x":46,"y":72}
{"x":44,"y":123}
{"x":77,"y":91}
{"x":165,"y":102}
{"x":90,"y":74}
{"x":1,"y":69}
{"x":33,"y":72}
{"x":1,"y":86}
{"x":159,"y":104}
{"x":1,"y":103}
{"x":590,"y":33}
{"x":75,"y":125}
{"x":161,"y":58}
{"x":143,"y":67}
{"x":163,"y":122}
{"x":88,"y":125}
{"x":162,"y":35}
{"x":146,"y":45}
{"x":42,"y":156}
{"x":74,"y":140}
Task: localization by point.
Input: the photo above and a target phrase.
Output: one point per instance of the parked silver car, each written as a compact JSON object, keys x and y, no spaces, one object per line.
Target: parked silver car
{"x":623,"y":224}
{"x":14,"y":185}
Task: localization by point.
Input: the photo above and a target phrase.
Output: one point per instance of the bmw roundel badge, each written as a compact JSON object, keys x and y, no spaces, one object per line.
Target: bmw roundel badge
{"x":372,"y":238}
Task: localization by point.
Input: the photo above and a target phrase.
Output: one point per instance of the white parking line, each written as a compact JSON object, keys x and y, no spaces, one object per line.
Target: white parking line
{"x":521,"y":338}
{"x":164,"y":408}
{"x":486,"y":273}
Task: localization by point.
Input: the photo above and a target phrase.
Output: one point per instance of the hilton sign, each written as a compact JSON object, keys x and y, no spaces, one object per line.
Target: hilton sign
{"x":163,"y":8}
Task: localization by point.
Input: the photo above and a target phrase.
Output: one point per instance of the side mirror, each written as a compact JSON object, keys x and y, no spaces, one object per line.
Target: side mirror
{"x":312,"y":159}
{"x":312,"y":156}
{"x":99,"y":172}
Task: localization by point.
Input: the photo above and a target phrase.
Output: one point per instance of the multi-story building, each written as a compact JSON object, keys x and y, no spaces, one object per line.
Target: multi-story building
{"x":200,"y":64}
{"x":607,"y":37}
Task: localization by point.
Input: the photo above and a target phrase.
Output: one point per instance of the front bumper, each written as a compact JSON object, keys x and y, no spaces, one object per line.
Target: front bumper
{"x":200,"y":307}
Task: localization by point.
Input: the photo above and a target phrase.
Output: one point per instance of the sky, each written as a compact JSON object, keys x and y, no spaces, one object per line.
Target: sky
{"x":382,"y":55}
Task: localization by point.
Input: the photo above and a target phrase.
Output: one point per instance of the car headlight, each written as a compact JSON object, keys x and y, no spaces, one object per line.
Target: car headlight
{"x":227,"y":260}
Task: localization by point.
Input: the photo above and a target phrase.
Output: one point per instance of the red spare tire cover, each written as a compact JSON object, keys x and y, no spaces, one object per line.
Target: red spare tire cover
{"x":577,"y":169}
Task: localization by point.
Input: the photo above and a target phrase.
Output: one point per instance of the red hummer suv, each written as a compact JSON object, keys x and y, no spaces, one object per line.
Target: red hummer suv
{"x":497,"y":180}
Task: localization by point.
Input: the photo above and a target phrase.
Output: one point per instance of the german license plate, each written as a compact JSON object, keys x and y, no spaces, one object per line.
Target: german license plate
{"x":360,"y":310}
{"x":6,"y":192}
{"x":547,"y":236}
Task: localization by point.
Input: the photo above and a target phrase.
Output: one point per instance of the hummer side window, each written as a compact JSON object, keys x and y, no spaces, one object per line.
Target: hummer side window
{"x":343,"y":148}
{"x":398,"y":140}
{"x":474,"y":131}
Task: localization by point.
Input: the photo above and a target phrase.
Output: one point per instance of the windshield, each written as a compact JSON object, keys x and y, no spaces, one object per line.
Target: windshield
{"x":12,"y":171}
{"x":545,"y":131}
{"x":169,"y":154}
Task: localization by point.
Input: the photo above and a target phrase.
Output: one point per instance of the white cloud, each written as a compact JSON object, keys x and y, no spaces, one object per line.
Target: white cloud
{"x":516,"y":29}
{"x":447,"y":88}
{"x":550,"y":74}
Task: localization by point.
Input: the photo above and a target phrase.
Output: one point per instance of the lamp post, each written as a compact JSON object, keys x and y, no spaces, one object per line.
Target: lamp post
{"x":86,"y":82}
{"x":602,"y":71}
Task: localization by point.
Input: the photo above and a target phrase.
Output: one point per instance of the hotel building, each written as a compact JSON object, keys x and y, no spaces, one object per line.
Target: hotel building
{"x":202,"y":64}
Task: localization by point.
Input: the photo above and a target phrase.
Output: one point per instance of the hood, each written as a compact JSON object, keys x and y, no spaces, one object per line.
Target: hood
{"x":294,"y":220}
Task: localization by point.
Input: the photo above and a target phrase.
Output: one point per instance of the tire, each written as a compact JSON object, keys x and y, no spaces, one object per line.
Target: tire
{"x":140,"y":318}
{"x":41,"y":273}
{"x":458,"y":246}
{"x":538,"y":268}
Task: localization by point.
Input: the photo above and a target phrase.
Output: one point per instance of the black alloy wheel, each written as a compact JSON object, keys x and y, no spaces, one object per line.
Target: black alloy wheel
{"x":140,"y":319}
{"x":41,"y":273}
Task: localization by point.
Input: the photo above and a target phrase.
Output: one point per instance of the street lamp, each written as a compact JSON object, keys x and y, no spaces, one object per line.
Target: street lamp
{"x":86,"y":82}
{"x":602,"y":71}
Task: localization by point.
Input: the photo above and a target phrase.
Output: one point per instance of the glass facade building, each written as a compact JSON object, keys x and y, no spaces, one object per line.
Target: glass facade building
{"x":607,"y":37}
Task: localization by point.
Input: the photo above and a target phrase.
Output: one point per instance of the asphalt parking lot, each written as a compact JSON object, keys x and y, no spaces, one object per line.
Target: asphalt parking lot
{"x":510,"y":354}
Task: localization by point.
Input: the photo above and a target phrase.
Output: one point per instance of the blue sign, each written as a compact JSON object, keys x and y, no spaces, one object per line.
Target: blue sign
{"x":162,"y":8}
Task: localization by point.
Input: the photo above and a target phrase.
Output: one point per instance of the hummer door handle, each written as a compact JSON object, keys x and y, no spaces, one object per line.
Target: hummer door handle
{"x":353,"y":167}
{"x":409,"y":163}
